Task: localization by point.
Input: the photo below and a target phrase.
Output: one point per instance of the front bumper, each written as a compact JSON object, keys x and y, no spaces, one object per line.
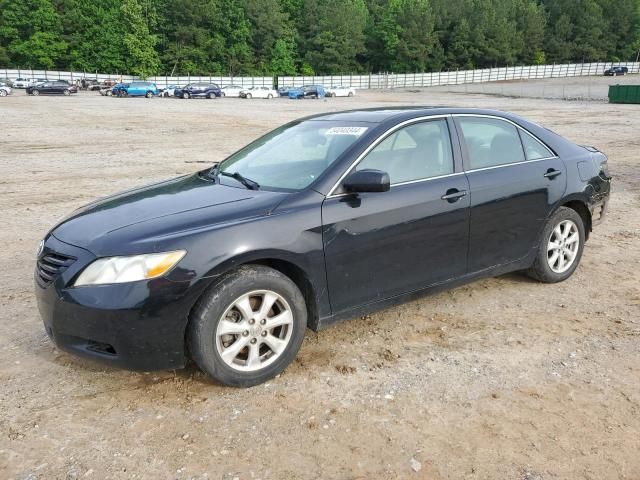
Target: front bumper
{"x":137,"y":325}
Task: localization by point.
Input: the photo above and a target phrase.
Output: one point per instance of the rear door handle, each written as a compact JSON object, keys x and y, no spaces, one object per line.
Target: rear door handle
{"x":453,"y":195}
{"x":551,"y":173}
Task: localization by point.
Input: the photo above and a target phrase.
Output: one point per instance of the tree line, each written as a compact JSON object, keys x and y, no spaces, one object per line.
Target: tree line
{"x":286,"y":37}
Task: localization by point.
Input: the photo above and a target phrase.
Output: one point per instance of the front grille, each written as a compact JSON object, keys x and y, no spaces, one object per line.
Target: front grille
{"x":50,"y":265}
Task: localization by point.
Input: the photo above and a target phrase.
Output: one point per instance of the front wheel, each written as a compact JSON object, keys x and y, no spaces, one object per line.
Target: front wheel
{"x":561,"y":247}
{"x":269,"y":97}
{"x":248,"y":95}
{"x":66,"y":92}
{"x":186,"y":95}
{"x":248,"y":327}
{"x":35,"y":93}
{"x":3,"y":93}
{"x":149,"y":94}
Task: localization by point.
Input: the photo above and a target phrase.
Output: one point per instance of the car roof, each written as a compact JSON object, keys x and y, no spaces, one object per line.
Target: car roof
{"x":400,"y":114}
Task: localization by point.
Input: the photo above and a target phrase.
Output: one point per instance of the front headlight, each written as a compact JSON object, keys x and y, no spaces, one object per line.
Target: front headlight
{"x":129,"y":269}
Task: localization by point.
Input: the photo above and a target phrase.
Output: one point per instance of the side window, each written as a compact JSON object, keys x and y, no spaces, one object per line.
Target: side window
{"x":533,"y":149}
{"x":419,"y":151}
{"x":490,"y":142}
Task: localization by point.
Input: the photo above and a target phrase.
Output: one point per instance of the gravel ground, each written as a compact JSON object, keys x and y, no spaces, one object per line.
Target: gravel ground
{"x":571,"y":88}
{"x":503,"y":378}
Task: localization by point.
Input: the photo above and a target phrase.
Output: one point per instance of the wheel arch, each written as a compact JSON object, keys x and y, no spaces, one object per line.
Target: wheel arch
{"x":580,"y":206}
{"x":288,"y":267}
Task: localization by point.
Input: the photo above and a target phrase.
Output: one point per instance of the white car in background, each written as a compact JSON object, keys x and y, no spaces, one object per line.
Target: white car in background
{"x":340,"y":91}
{"x":259,"y":92}
{"x":232,"y":90}
{"x":169,"y":91}
{"x":4,"y":89}
{"x":22,"y":82}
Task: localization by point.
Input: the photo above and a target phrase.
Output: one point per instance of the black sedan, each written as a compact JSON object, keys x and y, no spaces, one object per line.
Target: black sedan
{"x":615,"y":71}
{"x":55,"y":87}
{"x":198,"y":90}
{"x":322,"y":219}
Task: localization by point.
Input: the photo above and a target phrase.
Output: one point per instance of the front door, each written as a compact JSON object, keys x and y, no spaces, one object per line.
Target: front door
{"x":514,"y":182}
{"x":379,"y":245}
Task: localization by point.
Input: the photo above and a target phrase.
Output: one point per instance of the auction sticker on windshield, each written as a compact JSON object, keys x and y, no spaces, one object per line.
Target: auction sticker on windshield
{"x":357,"y":131}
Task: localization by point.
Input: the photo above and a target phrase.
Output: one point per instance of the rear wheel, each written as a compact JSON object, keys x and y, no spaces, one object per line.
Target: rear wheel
{"x":248,"y":95}
{"x":248,"y":327}
{"x":560,"y":249}
{"x":269,"y":96}
{"x":66,"y":92}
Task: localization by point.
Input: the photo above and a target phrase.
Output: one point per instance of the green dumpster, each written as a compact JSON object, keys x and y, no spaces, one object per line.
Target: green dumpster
{"x":624,"y":94}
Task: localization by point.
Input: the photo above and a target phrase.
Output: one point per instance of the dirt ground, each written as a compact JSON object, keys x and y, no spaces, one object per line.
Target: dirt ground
{"x":504,"y":378}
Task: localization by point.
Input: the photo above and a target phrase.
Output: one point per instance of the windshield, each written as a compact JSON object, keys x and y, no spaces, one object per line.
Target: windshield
{"x":293,"y":156}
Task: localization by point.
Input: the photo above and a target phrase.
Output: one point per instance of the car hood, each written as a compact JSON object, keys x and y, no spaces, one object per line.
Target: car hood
{"x":141,"y":218}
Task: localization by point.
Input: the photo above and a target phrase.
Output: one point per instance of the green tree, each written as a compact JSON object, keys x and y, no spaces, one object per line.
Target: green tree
{"x":138,"y":41}
{"x":31,"y":30}
{"x":333,"y":33}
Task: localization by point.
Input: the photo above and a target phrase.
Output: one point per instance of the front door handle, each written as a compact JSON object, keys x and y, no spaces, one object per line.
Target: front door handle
{"x":453,"y":195}
{"x":551,"y":173}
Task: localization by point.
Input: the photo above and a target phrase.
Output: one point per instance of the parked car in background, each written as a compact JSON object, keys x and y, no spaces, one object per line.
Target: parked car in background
{"x":169,"y":90}
{"x":340,"y":91}
{"x":323,"y":219}
{"x":615,"y":71}
{"x":259,"y":92}
{"x":119,"y":90}
{"x":4,"y":89}
{"x":141,"y":89}
{"x":8,"y":82}
{"x":232,"y":90}
{"x":307,"y":91}
{"x":21,"y":82}
{"x":88,"y":83}
{"x":284,"y":91}
{"x":55,"y":87}
{"x":198,"y":90}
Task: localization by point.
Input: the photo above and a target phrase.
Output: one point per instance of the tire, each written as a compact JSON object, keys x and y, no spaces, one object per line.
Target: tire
{"x":248,"y":95}
{"x":350,"y":94}
{"x":3,"y":93}
{"x":269,"y":97}
{"x":109,"y":93}
{"x":186,"y":95}
{"x":35,"y":93}
{"x":567,"y":222}
{"x":149,"y":95}
{"x":66,"y":92}
{"x":207,"y":344}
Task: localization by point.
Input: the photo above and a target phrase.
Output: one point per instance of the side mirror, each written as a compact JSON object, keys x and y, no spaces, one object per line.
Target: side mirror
{"x":367,"y":181}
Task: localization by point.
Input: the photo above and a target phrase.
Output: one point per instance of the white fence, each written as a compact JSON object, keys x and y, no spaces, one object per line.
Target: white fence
{"x":161,"y":81}
{"x":459,"y":77}
{"x":379,"y":80}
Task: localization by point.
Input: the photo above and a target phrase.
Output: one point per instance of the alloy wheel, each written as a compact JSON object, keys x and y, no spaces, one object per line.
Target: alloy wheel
{"x":563,"y":246}
{"x":254,"y":330}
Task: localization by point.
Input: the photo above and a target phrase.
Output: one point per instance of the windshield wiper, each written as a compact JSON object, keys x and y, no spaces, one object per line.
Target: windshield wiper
{"x":247,"y":182}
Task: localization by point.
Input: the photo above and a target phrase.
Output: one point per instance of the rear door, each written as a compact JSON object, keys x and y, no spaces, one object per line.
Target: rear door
{"x":514,"y":182}
{"x":379,"y":245}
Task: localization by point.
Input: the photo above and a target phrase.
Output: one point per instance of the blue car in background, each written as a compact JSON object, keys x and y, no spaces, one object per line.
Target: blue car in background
{"x":119,"y":89}
{"x":307,"y":91}
{"x":135,"y":89}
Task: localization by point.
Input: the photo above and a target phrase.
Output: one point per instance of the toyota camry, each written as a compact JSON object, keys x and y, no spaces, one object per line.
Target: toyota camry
{"x":325,"y":218}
